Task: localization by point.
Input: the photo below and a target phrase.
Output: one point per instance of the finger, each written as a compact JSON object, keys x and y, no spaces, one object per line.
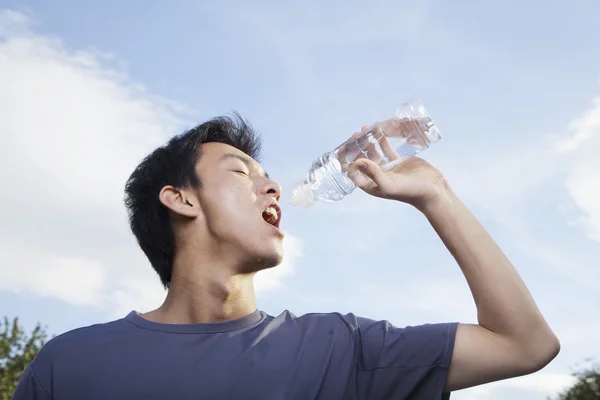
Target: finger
{"x":348,"y":151}
{"x":374,"y":173}
{"x":377,"y":147}
{"x":389,"y":152}
{"x":366,"y":143}
{"x":369,"y":147}
{"x":360,"y":180}
{"x":355,"y":151}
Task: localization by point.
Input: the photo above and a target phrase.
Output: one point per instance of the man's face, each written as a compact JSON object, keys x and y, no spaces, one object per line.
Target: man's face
{"x":239,"y":206}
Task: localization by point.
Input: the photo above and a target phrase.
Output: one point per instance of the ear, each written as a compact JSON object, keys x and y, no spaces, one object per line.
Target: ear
{"x":179,"y":202}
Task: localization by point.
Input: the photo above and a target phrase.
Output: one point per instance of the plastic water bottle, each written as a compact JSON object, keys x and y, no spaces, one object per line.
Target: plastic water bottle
{"x":405,"y":132}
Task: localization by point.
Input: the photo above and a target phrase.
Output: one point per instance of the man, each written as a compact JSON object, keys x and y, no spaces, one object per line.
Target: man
{"x":207,"y":216}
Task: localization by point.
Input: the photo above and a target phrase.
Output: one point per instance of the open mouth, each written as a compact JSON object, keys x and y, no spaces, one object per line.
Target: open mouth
{"x":272,"y":215}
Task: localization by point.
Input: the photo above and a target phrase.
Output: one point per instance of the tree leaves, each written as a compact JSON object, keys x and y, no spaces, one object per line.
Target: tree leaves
{"x":587,"y":386}
{"x":17,"y":350}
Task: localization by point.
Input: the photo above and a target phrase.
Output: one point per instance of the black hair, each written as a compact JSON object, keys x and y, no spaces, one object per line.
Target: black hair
{"x":175,"y":164}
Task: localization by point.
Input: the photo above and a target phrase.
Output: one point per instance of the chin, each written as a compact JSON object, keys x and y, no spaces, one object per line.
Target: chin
{"x":275,"y":260}
{"x":270,"y":260}
{"x":262,"y":255}
{"x":265,"y":260}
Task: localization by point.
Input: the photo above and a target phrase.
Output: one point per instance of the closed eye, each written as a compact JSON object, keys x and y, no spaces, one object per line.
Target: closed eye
{"x":242,"y":172}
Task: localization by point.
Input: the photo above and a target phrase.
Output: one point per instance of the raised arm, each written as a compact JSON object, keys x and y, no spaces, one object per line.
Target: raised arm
{"x":511,"y":337}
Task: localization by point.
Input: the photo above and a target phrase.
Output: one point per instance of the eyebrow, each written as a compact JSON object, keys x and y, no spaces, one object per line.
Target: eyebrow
{"x":246,"y":160}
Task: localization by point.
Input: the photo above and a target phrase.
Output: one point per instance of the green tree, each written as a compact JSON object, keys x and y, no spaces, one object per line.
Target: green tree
{"x":17,"y":350}
{"x":587,"y":386}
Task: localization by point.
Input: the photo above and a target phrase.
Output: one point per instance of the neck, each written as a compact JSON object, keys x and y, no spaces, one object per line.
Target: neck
{"x":204,"y":292}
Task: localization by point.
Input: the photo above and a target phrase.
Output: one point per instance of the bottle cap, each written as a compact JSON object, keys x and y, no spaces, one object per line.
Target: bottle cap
{"x":302,"y":195}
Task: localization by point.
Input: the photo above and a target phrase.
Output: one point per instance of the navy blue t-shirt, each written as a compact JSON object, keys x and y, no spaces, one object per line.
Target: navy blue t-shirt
{"x":314,"y":356}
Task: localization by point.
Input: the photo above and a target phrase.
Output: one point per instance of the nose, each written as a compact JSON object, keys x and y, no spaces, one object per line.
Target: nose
{"x":272,"y":188}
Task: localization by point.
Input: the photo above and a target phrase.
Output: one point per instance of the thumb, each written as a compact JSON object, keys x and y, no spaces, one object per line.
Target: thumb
{"x":374,"y":172}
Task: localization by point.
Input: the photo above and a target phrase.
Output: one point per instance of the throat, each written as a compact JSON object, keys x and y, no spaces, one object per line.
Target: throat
{"x":208,"y":301}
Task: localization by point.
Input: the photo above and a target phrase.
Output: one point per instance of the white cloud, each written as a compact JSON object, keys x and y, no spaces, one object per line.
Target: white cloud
{"x":584,"y":129}
{"x":531,"y":387}
{"x":12,"y":22}
{"x":502,"y":184}
{"x":73,"y":126}
{"x":543,"y":382}
{"x":272,"y":279}
{"x":75,"y":280}
{"x":582,"y":149}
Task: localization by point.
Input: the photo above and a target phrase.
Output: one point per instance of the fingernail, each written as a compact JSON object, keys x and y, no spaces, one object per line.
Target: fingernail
{"x":362,"y":166}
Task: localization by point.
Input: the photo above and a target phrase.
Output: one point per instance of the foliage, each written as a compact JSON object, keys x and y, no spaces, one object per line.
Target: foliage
{"x":17,"y":350}
{"x":587,"y":386}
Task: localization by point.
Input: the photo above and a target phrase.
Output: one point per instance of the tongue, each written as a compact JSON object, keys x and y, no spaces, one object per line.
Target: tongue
{"x":267,"y":217}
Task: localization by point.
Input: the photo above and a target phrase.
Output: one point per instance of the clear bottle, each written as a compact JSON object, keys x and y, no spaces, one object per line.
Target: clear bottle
{"x":405,"y":132}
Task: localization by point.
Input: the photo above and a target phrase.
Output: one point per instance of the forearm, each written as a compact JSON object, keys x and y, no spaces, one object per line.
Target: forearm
{"x":504,"y":304}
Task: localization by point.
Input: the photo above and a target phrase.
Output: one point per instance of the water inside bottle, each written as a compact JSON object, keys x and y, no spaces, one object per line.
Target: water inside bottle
{"x":388,"y":143}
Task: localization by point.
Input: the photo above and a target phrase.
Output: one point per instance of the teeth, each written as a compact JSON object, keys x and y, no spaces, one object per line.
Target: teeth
{"x":272,"y":214}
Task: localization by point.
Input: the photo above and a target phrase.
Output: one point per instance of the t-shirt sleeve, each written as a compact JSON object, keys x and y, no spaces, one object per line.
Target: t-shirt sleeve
{"x":29,"y":388}
{"x":401,"y":363}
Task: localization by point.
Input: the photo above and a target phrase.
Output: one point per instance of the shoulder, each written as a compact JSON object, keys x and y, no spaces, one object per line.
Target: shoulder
{"x":347,"y":324}
{"x":348,"y":321}
{"x":322,"y":320}
{"x":69,"y":352}
{"x":372,"y":332}
{"x":76,"y":341}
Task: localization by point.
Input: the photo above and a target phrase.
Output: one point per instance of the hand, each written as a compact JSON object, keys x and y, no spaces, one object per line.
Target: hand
{"x":413,"y":181}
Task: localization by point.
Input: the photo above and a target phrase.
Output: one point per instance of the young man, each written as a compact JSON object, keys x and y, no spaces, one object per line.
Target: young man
{"x":206,"y":215}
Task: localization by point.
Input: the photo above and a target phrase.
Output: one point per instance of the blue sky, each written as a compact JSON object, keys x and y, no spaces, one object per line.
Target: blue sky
{"x":89,"y":88}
